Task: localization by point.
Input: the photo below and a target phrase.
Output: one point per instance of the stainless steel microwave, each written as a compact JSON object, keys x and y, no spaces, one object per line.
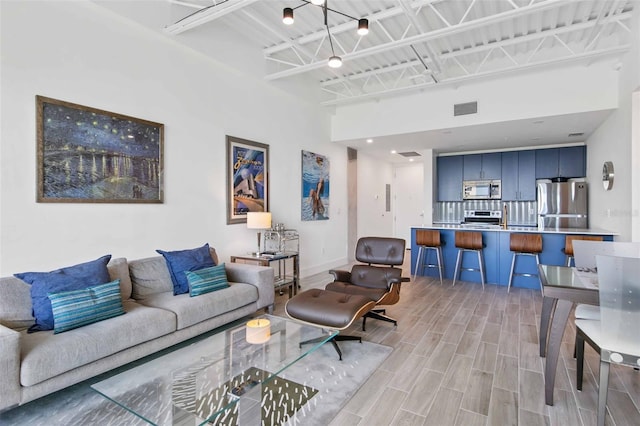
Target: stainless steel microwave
{"x":482,"y":190}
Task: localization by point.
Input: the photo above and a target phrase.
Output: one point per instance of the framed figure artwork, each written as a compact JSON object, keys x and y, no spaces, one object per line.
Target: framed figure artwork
{"x":315,"y":186}
{"x":88,"y":155}
{"x":247,"y":178}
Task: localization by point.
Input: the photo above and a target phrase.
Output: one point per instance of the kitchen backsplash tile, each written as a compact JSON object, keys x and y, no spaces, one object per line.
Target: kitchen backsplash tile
{"x":524,"y":213}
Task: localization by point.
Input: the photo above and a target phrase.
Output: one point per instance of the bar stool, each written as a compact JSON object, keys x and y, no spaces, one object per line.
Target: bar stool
{"x":568,"y":245}
{"x":469,"y":241}
{"x":525,"y":245}
{"x":428,"y":240}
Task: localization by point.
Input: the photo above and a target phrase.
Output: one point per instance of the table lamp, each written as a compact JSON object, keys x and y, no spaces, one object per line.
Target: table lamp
{"x":258,"y":220}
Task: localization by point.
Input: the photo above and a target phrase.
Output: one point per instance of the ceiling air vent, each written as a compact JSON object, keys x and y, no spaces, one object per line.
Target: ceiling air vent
{"x":573,"y":135}
{"x":409,"y":154}
{"x":464,"y":109}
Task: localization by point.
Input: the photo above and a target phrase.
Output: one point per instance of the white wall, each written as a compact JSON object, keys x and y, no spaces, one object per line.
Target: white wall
{"x":82,"y":53}
{"x":617,"y":209}
{"x":373,"y":175}
{"x":548,"y":92}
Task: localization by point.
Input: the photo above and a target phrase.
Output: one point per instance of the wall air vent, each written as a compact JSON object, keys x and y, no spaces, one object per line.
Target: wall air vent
{"x":464,"y":109}
{"x":573,"y":135}
{"x":409,"y":154}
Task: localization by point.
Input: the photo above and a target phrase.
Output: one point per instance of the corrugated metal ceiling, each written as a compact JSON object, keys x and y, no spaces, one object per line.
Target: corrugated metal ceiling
{"x":417,"y":45}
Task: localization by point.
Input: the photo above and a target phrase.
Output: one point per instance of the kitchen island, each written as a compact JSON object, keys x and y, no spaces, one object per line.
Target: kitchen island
{"x":497,"y":254}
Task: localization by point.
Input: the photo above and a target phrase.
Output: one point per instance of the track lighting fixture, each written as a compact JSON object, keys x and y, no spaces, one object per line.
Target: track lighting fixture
{"x":335,"y":61}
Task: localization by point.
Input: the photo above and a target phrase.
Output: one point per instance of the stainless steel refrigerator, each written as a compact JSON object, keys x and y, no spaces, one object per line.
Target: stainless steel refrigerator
{"x":562,"y":204}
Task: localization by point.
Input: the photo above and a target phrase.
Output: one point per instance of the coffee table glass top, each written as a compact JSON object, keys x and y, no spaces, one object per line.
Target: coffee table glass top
{"x":221,"y":379}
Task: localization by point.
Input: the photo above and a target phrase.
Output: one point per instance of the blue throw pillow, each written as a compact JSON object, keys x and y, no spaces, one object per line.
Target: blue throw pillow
{"x":207,"y":280}
{"x":186,"y":260}
{"x":74,"y":277}
{"x":73,"y":309}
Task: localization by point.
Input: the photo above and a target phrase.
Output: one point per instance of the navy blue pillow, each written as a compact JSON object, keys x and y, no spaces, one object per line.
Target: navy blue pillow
{"x":74,"y":277}
{"x":186,"y":260}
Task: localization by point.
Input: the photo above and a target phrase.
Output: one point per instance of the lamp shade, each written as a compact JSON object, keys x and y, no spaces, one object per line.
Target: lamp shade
{"x":258,"y":220}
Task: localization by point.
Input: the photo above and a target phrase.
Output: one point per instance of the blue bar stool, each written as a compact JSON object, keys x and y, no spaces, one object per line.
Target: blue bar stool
{"x":469,"y":241}
{"x":428,"y":240}
{"x":525,"y":245}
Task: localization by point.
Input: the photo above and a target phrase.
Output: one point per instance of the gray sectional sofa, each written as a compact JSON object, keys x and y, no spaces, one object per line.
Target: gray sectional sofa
{"x":35,"y":364}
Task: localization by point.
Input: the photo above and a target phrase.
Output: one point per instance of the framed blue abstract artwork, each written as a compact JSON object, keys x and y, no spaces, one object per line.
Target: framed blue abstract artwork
{"x":87,"y":155}
{"x":315,"y":186}
{"x":247,"y":178}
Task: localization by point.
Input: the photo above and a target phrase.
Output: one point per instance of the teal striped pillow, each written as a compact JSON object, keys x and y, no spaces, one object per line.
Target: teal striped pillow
{"x":73,"y":309}
{"x":207,"y":280}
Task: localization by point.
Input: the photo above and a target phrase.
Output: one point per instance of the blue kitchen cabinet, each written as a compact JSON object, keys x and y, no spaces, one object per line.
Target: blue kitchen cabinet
{"x":483,"y":166}
{"x":449,"y":178}
{"x":518,"y":176}
{"x":546,"y":163}
{"x":572,"y":162}
{"x":569,"y":162}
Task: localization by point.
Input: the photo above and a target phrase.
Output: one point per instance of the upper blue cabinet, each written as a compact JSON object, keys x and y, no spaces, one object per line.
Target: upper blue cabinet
{"x":567,"y":162}
{"x":518,"y":176}
{"x":450,"y":178}
{"x":483,"y":166}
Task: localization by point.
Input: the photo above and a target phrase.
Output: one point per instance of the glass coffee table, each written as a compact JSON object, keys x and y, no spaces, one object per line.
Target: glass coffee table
{"x":223,"y":379}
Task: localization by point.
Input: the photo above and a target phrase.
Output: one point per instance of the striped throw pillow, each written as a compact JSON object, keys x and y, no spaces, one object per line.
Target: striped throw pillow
{"x":207,"y":280}
{"x":76,"y":308}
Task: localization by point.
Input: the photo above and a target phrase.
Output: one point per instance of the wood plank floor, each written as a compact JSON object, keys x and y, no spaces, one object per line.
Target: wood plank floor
{"x":464,"y":356}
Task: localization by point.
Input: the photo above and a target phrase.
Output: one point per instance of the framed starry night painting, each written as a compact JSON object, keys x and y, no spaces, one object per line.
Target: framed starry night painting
{"x":87,"y":155}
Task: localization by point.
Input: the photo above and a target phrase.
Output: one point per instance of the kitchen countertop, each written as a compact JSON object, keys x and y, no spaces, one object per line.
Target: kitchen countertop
{"x":590,"y":231}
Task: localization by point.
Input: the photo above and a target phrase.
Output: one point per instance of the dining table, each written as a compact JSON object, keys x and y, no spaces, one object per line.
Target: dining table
{"x":562,"y":287}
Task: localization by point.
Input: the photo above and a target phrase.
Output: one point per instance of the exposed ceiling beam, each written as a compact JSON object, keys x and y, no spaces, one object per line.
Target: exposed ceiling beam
{"x":432,"y":35}
{"x":409,"y":13}
{"x":347,"y":26}
{"x":498,"y":44}
{"x":487,"y":74}
{"x":205,"y":15}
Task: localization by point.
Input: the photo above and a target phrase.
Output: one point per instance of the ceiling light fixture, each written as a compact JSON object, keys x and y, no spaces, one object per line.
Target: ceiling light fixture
{"x":369,"y":140}
{"x":334,"y":61}
{"x":287,"y":16}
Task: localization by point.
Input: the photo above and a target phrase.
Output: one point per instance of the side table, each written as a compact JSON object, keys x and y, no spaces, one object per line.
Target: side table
{"x":285,"y":276}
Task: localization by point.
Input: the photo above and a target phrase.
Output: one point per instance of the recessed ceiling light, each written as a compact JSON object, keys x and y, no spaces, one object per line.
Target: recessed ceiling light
{"x":369,"y":140}
{"x":410,"y":159}
{"x":393,"y":151}
{"x":538,"y":122}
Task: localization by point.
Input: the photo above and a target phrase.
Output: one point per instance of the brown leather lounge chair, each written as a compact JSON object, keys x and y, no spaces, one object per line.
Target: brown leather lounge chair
{"x":377,"y":277}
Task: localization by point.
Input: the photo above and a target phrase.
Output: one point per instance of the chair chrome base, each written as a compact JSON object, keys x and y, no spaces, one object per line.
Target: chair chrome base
{"x":513,"y":265}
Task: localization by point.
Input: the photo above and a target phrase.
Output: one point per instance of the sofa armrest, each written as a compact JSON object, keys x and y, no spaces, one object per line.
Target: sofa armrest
{"x":9,"y":367}
{"x":259,"y":276}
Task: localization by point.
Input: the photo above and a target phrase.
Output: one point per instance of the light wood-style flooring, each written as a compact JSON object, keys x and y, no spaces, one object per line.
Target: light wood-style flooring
{"x":464,"y":356}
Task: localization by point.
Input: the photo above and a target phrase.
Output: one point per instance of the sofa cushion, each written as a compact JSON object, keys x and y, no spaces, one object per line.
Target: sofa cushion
{"x":207,"y":280}
{"x":45,"y":354}
{"x":149,"y":276}
{"x":15,"y":304}
{"x":180,"y":261}
{"x":192,"y":310}
{"x":73,"y":277}
{"x":119,"y":270}
{"x":77,"y":308}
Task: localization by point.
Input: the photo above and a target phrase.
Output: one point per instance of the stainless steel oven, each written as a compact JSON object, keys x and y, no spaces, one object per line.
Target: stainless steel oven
{"x":482,"y":218}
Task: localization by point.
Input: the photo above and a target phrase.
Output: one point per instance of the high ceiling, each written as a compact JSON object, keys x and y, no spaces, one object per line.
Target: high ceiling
{"x":416,"y":44}
{"x":412,"y":45}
